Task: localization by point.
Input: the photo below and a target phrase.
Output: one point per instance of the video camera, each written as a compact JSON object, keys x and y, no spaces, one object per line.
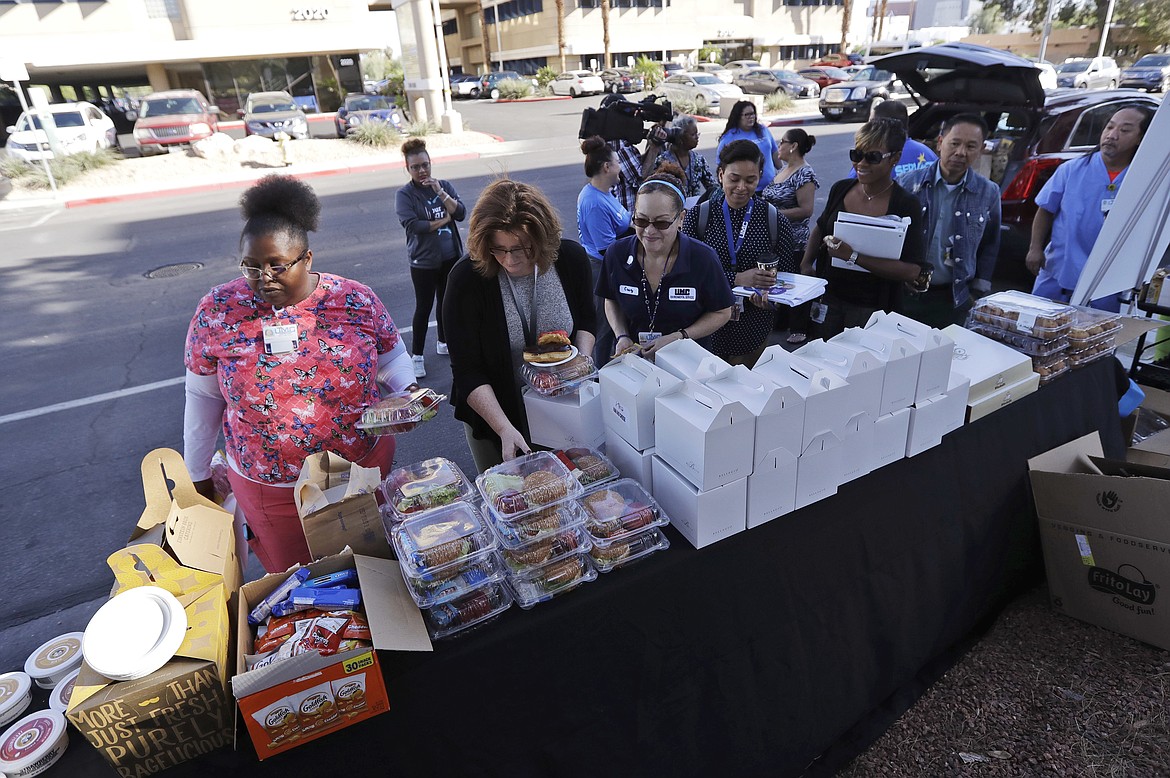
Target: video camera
{"x":623,"y":120}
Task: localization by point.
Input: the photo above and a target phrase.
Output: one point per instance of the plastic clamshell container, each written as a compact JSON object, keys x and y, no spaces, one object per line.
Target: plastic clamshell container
{"x":1091,"y":326}
{"x":1083,"y":357}
{"x":615,"y":555}
{"x":437,"y":545}
{"x":400,"y":412}
{"x":15,"y":696}
{"x":589,"y":466}
{"x":1033,"y":347}
{"x":412,"y":490}
{"x":474,"y":607}
{"x":1024,"y":313}
{"x":1051,"y":367}
{"x":559,"y":379}
{"x":33,"y":744}
{"x":548,"y":581}
{"x":526,"y":484}
{"x":618,"y":511}
{"x":542,"y":524}
{"x":464,"y":578}
{"x":546,"y":550}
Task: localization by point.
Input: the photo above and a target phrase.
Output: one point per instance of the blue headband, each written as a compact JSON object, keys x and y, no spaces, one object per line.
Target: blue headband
{"x":678,"y":191}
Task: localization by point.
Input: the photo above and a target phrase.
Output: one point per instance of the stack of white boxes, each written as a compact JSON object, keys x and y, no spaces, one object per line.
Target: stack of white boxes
{"x":566,"y":421}
{"x":891,"y":428}
{"x":629,"y":386}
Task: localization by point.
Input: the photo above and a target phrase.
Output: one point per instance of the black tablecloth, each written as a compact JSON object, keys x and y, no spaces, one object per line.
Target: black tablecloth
{"x":783,"y":649}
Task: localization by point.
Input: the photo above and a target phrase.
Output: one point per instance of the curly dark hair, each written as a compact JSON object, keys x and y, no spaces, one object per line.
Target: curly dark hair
{"x":597,"y":152}
{"x":280,"y":205}
{"x":414,"y":146}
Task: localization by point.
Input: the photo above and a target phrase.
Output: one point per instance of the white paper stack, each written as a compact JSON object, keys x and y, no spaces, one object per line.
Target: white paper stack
{"x":790,"y":289}
{"x":875,"y":236}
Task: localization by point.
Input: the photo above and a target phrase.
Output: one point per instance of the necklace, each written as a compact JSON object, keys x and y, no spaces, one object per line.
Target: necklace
{"x":869,"y":196}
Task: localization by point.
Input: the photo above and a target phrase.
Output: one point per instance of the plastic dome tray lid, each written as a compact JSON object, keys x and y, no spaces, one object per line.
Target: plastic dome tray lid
{"x":1024,"y":313}
{"x":464,"y":578}
{"x":623,"y":552}
{"x":62,"y":692}
{"x":546,"y":550}
{"x":15,"y":696}
{"x":54,"y":659}
{"x":33,"y":744}
{"x":476,"y":607}
{"x":1026,"y":344}
{"x":1090,"y":325}
{"x":400,"y":412}
{"x":560,"y":379}
{"x":588,"y":466}
{"x":525,"y":484}
{"x":548,"y":581}
{"x":423,"y":486}
{"x":441,"y":539}
{"x":541,"y":524}
{"x":620,"y":510}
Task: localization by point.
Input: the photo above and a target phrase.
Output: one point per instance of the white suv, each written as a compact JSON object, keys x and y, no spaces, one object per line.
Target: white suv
{"x":1088,"y":73}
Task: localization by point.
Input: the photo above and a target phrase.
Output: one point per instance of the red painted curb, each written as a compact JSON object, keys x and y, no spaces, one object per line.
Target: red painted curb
{"x":794,"y":122}
{"x":532,"y":99}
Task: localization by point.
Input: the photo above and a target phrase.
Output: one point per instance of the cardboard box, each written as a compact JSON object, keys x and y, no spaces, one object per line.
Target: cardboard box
{"x":629,"y":461}
{"x":282,"y":693}
{"x":195,"y":531}
{"x":934,"y":417}
{"x":771,"y":488}
{"x":890,"y":434}
{"x":703,"y":435}
{"x":181,"y":710}
{"x":902,"y":361}
{"x":702,"y":517}
{"x":685,"y":359}
{"x":989,"y":364}
{"x":826,"y":395}
{"x":1155,"y":449}
{"x":338,"y":505}
{"x":935,"y":346}
{"x":779,"y":410}
{"x":1105,"y":538}
{"x":628,"y":388}
{"x":864,"y":372}
{"x":819,"y":470}
{"x":977,"y":409}
{"x":858,"y":452}
{"x":567,"y":421}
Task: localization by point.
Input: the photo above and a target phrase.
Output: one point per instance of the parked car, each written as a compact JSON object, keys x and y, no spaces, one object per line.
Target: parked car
{"x":80,"y":127}
{"x":358,"y":109}
{"x":575,"y":83}
{"x":702,"y":89}
{"x":1047,"y":73}
{"x":715,"y":69}
{"x":1151,"y":72}
{"x":173,"y":119}
{"x":737,"y":65}
{"x":489,"y":82}
{"x":1032,"y":132}
{"x":267,"y":113}
{"x":855,"y":98}
{"x":763,"y":81}
{"x":824,"y":76}
{"x":671,"y":68}
{"x":1088,"y":73}
{"x":622,"y":80}
{"x":838,"y":61}
{"x":464,"y":85}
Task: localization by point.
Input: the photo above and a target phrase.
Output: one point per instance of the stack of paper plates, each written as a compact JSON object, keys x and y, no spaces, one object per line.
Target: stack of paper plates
{"x":135,"y":633}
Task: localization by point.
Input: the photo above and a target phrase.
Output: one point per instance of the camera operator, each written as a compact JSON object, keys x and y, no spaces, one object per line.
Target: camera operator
{"x":634,"y":164}
{"x":682,"y":139}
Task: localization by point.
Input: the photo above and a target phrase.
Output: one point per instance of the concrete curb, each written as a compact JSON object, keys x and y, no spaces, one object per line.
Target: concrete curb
{"x":796,"y":121}
{"x":543,"y":99}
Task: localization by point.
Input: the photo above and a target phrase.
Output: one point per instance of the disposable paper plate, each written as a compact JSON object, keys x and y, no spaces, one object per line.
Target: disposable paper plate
{"x":54,"y":659}
{"x":32,"y":745}
{"x":135,"y":633}
{"x":15,"y":696}
{"x":59,"y":697}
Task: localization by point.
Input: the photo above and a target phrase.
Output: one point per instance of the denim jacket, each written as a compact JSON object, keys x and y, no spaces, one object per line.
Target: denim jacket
{"x":973,"y":227}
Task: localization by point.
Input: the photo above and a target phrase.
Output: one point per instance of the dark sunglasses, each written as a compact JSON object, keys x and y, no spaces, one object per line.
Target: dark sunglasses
{"x":872,"y":157}
{"x":641,"y":222}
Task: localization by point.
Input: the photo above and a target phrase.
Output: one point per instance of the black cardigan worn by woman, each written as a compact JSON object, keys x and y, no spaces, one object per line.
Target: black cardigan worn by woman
{"x":477,"y":334}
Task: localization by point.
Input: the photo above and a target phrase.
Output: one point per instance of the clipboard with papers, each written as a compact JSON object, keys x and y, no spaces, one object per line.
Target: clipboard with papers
{"x":876,"y":236}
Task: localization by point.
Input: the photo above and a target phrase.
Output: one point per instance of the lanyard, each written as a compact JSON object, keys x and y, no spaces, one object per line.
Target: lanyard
{"x":652,"y":309}
{"x":733,"y":246}
{"x":529,"y":325}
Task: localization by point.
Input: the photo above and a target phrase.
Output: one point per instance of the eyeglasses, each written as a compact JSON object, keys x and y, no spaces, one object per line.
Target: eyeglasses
{"x":420,"y":166}
{"x":253,"y":273}
{"x":872,"y":157}
{"x":501,"y":253}
{"x":641,"y":222}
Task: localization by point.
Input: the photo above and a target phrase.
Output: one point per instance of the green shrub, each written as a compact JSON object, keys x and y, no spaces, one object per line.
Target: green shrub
{"x":650,"y":71}
{"x":11,"y":167}
{"x":697,"y":107}
{"x":375,"y":134}
{"x":421,"y":129}
{"x":778,"y":102}
{"x":514,"y":88}
{"x":544,"y":76}
{"x":65,"y":169}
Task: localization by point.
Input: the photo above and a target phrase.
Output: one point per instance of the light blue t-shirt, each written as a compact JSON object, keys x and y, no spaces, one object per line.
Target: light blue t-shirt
{"x":600,"y":219}
{"x":767,"y":146}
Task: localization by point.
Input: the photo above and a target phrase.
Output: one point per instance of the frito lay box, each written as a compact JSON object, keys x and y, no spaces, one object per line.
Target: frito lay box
{"x":308,"y":696}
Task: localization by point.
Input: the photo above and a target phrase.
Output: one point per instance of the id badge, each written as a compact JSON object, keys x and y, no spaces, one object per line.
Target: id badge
{"x":280,"y":338}
{"x":818,"y":312}
{"x":646,"y":338}
{"x":737,"y":309}
{"x":1107,"y":205}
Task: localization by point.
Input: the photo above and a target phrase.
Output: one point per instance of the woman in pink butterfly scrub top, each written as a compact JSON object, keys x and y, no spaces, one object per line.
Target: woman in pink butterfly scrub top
{"x":284,"y":360}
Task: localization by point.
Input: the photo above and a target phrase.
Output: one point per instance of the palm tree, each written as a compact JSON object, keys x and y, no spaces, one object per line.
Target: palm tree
{"x":847,"y":11}
{"x":487,"y":49}
{"x":561,"y":32}
{"x":605,"y":30}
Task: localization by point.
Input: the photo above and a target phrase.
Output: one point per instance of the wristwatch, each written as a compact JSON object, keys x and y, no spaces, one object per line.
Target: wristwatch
{"x":852,"y":258}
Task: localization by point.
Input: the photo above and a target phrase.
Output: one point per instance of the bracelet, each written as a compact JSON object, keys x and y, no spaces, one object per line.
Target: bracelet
{"x":683,"y":331}
{"x":623,"y":335}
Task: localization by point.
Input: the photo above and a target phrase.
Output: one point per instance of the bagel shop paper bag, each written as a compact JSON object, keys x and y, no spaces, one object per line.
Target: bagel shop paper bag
{"x":183,"y":709}
{"x":338,"y":506}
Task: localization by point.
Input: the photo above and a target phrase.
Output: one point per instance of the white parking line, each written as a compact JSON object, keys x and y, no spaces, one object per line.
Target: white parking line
{"x":32,"y":413}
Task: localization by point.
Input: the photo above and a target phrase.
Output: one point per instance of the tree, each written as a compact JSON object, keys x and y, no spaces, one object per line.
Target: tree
{"x":988,"y":21}
{"x":605,"y":30}
{"x":487,"y":48}
{"x":561,"y":33}
{"x":846,"y":13}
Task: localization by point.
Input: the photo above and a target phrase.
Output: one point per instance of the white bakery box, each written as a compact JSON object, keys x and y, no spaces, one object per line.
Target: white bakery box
{"x":629,"y":386}
{"x":685,"y":359}
{"x":902,"y":362}
{"x":934,"y":417}
{"x":702,"y":517}
{"x":629,"y":461}
{"x":778,"y":410}
{"x":819,"y":470}
{"x":826,"y":395}
{"x":999,"y":374}
{"x":567,"y":421}
{"x":935,"y":346}
{"x":707,"y":438}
